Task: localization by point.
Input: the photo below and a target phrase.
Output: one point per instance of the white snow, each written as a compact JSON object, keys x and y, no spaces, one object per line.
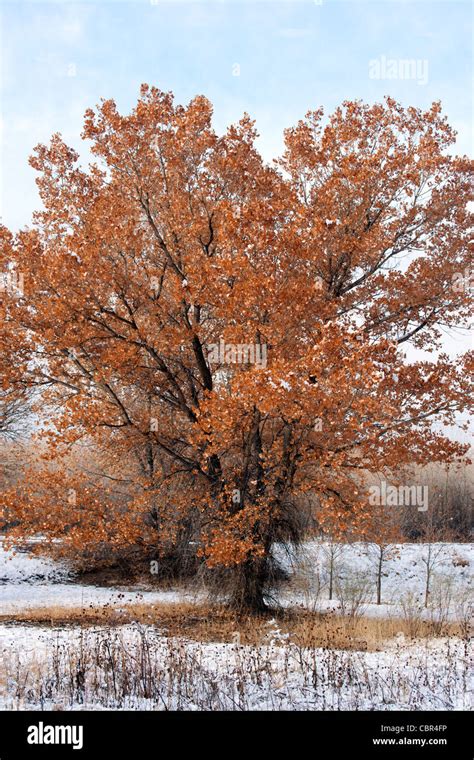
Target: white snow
{"x":189,"y":676}
{"x":30,"y":582}
{"x":403,"y":575}
{"x":17,"y":597}
{"x":38,"y":664}
{"x":19,"y":566}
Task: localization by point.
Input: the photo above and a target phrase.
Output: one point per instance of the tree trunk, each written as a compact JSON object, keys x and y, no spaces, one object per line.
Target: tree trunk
{"x":250,"y":582}
{"x":331,"y":576}
{"x":379,"y":578}
{"x":429,"y":567}
{"x":427,"y":586}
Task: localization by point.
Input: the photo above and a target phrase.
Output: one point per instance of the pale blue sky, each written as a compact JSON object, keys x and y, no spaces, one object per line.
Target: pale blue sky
{"x":58,"y":58}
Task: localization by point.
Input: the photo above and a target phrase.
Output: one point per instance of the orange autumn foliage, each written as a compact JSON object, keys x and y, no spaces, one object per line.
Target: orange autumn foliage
{"x":154,"y":279}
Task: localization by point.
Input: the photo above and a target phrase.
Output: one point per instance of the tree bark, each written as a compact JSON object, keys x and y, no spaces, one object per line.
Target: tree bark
{"x":250,"y":583}
{"x":379,"y":577}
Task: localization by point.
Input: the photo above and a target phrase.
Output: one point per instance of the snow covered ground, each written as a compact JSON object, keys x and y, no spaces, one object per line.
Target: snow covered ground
{"x":139,"y":667}
{"x":134,"y":667}
{"x":404,"y":572}
{"x":28,"y":582}
{"x":21,"y":567}
{"x":18,"y":597}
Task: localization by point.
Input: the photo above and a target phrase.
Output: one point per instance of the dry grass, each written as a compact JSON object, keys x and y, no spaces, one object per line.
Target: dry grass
{"x":213,"y":623}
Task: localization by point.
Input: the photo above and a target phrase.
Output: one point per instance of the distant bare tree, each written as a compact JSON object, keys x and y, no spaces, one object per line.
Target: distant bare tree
{"x":382,"y":538}
{"x":432,"y":554}
{"x":333,"y":552}
{"x":13,"y":415}
{"x":13,"y":419}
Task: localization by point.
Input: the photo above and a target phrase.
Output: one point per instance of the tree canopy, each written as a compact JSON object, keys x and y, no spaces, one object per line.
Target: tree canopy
{"x":226,"y":338}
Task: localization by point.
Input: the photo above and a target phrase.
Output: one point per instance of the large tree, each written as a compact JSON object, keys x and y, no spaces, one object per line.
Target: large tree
{"x":228,"y":337}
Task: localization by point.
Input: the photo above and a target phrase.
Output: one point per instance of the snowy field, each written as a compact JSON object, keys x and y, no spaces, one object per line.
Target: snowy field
{"x":139,"y":667}
{"x":31,"y":582}
{"x":403,"y":577}
{"x":28,"y":582}
{"x":133,"y":667}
